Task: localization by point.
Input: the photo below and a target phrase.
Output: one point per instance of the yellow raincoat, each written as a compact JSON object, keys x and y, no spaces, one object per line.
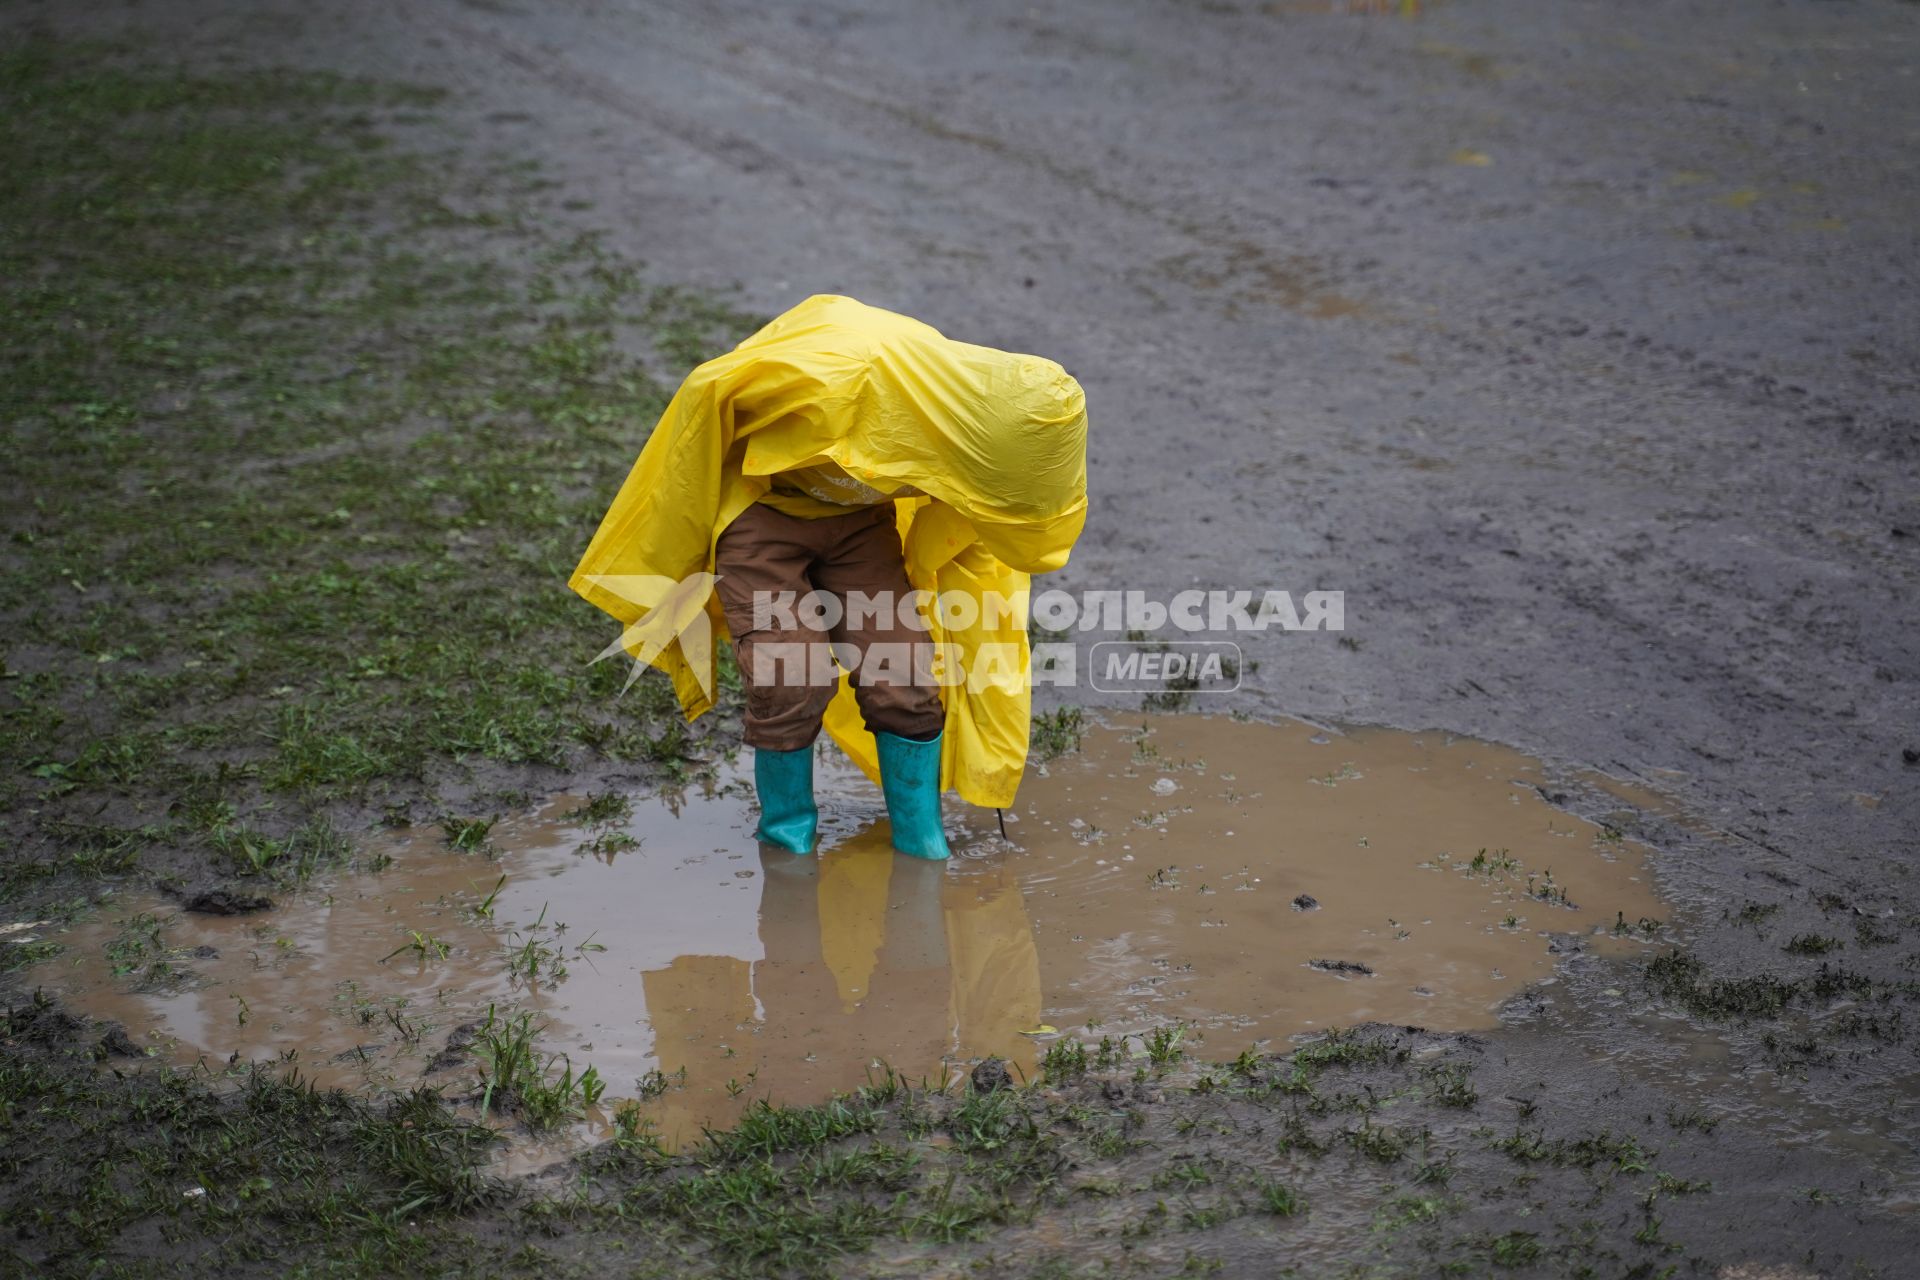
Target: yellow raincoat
{"x":996,"y":442}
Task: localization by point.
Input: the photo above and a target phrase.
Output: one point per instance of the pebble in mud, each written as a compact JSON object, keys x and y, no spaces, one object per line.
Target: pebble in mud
{"x":455,"y":1053}
{"x":225,"y":902}
{"x":991,"y":1076}
{"x":116,"y":1043}
{"x":1306,"y":902}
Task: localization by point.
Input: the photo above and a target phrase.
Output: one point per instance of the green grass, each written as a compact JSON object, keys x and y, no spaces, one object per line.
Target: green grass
{"x":300,"y":459}
{"x":1056,"y":733}
{"x":139,"y":953}
{"x":310,"y":1183}
{"x":1064,"y":1060}
{"x":468,"y":835}
{"x":545,"y":1091}
{"x":765,"y":1130}
{"x":1514,"y":1249}
{"x":1593,"y":1150}
{"x":1281,"y":1200}
{"x":1165,"y":1045}
{"x":269,"y":1172}
{"x":603,"y":807}
{"x":1683,"y":979}
{"x":1340,"y":1048}
{"x":17,"y":954}
{"x":1450,"y":1085}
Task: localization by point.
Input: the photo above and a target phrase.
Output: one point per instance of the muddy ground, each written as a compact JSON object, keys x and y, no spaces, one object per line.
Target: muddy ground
{"x":1574,"y":345}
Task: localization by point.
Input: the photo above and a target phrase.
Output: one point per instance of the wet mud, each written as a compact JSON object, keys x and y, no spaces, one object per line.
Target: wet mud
{"x":1244,"y":882}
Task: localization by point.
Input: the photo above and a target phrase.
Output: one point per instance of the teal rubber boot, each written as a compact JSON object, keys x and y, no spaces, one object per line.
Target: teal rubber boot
{"x":910,"y":778}
{"x":784,"y":782}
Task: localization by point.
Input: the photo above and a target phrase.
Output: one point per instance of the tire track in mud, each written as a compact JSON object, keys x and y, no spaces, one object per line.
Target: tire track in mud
{"x":562,"y":73}
{"x":1228,"y":266}
{"x":1296,"y":281}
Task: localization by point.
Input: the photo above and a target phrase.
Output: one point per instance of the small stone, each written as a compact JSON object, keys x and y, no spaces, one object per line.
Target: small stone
{"x":1306,"y":902}
{"x":464,"y":1034}
{"x":458,"y":1041}
{"x":116,"y":1043}
{"x":444,"y":1060}
{"x":992,"y":1076}
{"x":225,"y":902}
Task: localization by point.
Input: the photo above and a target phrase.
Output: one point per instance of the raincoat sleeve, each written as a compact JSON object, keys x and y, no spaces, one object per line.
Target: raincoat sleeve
{"x":684,"y":490}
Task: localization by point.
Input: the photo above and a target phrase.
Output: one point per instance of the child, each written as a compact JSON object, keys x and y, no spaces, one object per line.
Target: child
{"x":860,"y":454}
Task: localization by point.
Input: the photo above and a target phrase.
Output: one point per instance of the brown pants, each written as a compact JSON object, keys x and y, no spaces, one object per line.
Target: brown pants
{"x":765,"y":553}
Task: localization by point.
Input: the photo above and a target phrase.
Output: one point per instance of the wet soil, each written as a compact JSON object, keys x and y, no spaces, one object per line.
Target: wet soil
{"x":1571,"y":343}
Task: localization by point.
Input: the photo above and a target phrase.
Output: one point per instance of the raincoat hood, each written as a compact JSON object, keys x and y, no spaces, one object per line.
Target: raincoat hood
{"x":996,"y":442}
{"x":999,"y":437}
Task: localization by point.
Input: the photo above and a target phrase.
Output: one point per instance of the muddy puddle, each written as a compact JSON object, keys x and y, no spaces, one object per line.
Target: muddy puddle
{"x":1250,"y":881}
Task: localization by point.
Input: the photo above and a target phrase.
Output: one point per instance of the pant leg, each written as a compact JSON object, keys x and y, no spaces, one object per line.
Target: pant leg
{"x":765,"y":551}
{"x":865,"y":557}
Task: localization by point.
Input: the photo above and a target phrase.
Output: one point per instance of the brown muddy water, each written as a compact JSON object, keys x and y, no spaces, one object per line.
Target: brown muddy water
{"x":1253,"y":882}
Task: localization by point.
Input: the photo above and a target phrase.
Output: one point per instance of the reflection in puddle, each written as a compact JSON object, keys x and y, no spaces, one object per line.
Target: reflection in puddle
{"x":1254,"y":881}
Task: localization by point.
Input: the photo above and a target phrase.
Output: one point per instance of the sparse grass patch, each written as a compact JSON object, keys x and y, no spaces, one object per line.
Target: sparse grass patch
{"x":139,"y":953}
{"x":301,"y":460}
{"x":1344,"y":1049}
{"x":608,"y":845}
{"x":1514,"y":1249}
{"x":276,"y":1170}
{"x":1601,"y":1149}
{"x":1064,"y":1060}
{"x":516,"y":1078}
{"x":1681,"y":1119}
{"x":766,"y":1130}
{"x":1056,"y":733}
{"x":1280,"y":1200}
{"x":1448,"y":1084}
{"x":1380,"y":1142}
{"x":468,"y":835}
{"x":1681,"y":977}
{"x":22,"y":953}
{"x":1869,"y":931}
{"x":1165,"y":1045}
{"x":602,"y":808}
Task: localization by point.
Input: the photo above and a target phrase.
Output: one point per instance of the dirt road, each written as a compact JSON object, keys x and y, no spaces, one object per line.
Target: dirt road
{"x":1574,"y":343}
